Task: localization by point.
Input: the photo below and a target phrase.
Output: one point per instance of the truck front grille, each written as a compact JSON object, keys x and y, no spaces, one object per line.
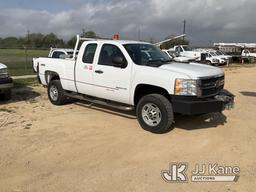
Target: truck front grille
{"x":211,"y":86}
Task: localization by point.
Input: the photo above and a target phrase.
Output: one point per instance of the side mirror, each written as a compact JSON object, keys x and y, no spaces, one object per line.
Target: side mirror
{"x":119,"y":62}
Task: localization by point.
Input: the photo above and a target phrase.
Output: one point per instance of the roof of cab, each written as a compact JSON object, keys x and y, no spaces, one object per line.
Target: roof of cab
{"x":117,"y":41}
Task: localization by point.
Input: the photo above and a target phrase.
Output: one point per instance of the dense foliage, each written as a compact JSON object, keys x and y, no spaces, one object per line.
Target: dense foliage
{"x":40,"y":41}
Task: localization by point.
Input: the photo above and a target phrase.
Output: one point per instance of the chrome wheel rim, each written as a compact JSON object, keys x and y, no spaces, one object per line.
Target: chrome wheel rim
{"x":54,"y":93}
{"x":151,"y":114}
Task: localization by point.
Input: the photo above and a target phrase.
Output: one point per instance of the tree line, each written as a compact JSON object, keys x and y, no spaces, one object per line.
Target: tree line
{"x":41,"y":41}
{"x":45,"y":41}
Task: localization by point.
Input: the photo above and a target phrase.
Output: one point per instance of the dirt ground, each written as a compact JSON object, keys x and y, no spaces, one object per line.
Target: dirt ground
{"x":87,"y":148}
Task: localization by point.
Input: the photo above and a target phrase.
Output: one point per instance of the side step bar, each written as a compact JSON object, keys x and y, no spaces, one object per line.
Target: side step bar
{"x":94,"y":100}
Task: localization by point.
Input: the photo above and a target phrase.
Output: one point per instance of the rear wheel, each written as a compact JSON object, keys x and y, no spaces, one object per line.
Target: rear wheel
{"x":155,"y":113}
{"x":8,"y":95}
{"x":56,"y":93}
{"x":208,"y":63}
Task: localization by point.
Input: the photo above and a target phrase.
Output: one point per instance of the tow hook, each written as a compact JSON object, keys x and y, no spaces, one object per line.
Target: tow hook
{"x":227,"y":98}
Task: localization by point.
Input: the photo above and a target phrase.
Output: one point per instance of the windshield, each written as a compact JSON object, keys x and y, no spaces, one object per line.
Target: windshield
{"x":186,"y":48}
{"x":172,"y":53}
{"x":219,"y":53}
{"x":146,"y":54}
{"x":213,"y":54}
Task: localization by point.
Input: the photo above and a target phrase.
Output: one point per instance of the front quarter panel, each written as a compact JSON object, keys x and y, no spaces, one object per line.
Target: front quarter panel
{"x":155,"y":77}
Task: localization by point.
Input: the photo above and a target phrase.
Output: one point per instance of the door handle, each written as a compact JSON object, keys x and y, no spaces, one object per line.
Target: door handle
{"x":99,"y":71}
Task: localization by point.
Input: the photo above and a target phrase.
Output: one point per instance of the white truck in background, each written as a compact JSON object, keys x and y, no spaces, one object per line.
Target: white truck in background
{"x":247,"y":53}
{"x":6,"y":83}
{"x":206,"y":56}
{"x":224,"y":55}
{"x":57,"y":53}
{"x":185,"y":51}
{"x":177,"y":58}
{"x":213,"y":59}
{"x":130,"y":75}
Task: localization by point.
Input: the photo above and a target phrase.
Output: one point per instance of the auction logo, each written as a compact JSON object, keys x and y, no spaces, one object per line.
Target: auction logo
{"x":177,"y":173}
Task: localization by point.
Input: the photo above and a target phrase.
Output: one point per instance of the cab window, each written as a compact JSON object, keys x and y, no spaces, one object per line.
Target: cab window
{"x":108,"y":52}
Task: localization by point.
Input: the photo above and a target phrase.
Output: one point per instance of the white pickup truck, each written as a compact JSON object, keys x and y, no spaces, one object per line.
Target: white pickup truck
{"x":247,"y":53}
{"x":57,"y":53}
{"x":6,"y":82}
{"x":130,"y":75}
{"x":185,"y":51}
{"x":177,"y":58}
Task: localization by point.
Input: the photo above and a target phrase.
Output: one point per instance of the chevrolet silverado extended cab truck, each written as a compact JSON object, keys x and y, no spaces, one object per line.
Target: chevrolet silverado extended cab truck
{"x":6,"y":82}
{"x":130,"y":75}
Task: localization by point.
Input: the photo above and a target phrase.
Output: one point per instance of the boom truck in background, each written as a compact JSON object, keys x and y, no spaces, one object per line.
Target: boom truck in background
{"x":130,"y":75}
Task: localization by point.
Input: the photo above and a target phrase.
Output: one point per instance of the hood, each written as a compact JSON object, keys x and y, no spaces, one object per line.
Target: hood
{"x":193,"y":70}
{"x":2,"y":66}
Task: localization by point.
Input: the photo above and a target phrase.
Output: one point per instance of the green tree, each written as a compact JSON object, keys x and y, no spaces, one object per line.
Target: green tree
{"x":89,"y":34}
{"x":9,"y":42}
{"x":72,"y":42}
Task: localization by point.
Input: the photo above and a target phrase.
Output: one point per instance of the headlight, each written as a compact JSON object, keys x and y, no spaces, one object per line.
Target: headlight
{"x":186,"y":87}
{"x":4,"y":73}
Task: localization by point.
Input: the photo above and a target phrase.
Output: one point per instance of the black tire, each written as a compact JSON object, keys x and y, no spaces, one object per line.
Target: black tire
{"x":8,"y":95}
{"x":166,"y":113}
{"x":208,"y":63}
{"x":60,"y":98}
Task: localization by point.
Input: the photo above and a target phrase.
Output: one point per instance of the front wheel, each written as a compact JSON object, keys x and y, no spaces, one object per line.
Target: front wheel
{"x":155,"y":113}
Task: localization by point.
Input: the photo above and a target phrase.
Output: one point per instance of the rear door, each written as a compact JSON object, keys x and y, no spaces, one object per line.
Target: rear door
{"x":111,"y":82}
{"x":84,"y":68}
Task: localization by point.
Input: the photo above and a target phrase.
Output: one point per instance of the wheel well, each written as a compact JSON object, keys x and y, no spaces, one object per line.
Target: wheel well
{"x":50,"y":76}
{"x":144,"y":89}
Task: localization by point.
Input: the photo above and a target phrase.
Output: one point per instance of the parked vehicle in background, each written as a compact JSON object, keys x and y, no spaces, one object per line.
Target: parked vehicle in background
{"x":247,"y":53}
{"x":56,"y":53}
{"x":224,"y":55}
{"x":221,"y":60}
{"x":177,"y":58}
{"x":6,"y":83}
{"x":210,"y":56}
{"x":61,"y":53}
{"x":208,"y":59}
{"x":185,"y":51}
{"x":130,"y":75}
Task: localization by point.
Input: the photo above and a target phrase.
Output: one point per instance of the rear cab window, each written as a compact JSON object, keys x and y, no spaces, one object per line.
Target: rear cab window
{"x":89,"y":53}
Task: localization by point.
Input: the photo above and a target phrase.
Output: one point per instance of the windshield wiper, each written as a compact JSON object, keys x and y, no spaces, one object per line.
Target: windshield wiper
{"x":156,"y":63}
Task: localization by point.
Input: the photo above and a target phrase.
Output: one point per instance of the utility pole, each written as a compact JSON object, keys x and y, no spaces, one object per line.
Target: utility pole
{"x":26,"y":50}
{"x":28,"y":34}
{"x":83,"y":32}
{"x":184,"y":29}
{"x":139,"y":32}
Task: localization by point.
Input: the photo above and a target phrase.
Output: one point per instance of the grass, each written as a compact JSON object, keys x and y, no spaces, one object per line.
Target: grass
{"x":19,"y":83}
{"x":16,"y":61}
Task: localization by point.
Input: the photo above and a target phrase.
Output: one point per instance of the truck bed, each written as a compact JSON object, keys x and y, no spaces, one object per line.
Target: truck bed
{"x":64,"y":68}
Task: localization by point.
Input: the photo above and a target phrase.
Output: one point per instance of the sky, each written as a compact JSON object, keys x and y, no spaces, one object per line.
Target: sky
{"x":208,"y":21}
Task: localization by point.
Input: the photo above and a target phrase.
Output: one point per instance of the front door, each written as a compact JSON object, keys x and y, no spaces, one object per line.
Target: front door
{"x":112,"y":83}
